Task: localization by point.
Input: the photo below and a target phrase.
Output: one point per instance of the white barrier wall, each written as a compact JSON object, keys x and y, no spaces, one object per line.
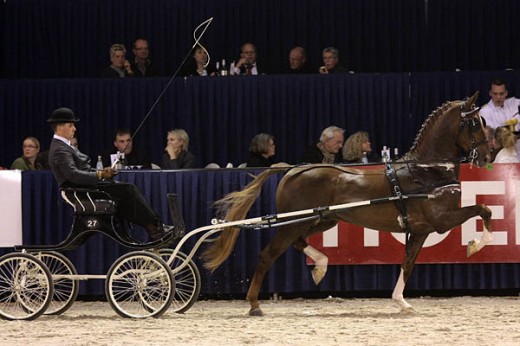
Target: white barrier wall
{"x":10,"y":208}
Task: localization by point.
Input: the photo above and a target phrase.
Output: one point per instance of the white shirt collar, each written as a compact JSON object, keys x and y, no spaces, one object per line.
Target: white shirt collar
{"x":63,"y":139}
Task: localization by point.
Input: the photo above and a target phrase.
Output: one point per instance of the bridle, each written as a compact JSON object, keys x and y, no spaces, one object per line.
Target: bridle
{"x":468,"y":120}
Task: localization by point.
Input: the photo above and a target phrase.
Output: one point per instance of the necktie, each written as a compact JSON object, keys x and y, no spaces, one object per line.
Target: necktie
{"x":248,"y":70}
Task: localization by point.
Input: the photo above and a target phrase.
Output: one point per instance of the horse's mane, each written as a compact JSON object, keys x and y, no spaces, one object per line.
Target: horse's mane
{"x":428,"y":123}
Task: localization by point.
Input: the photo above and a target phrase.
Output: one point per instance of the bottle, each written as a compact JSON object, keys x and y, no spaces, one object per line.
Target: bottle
{"x":396,"y":152}
{"x":119,"y":162}
{"x":364,"y":158}
{"x":384,"y":154}
{"x":99,"y":164}
{"x":217,"y":67}
{"x":124,"y":163}
{"x":223,"y":70}
{"x":232,"y":69}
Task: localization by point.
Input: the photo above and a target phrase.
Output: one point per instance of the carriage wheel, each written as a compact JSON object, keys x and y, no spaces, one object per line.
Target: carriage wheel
{"x":25,"y":287}
{"x":187,"y":281}
{"x":140,"y":285}
{"x":65,"y":289}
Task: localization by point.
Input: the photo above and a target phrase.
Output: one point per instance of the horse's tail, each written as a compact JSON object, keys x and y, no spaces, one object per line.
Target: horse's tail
{"x":235,"y":206}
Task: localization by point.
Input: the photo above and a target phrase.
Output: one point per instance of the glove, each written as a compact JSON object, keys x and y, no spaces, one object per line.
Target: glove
{"x":106,"y":173}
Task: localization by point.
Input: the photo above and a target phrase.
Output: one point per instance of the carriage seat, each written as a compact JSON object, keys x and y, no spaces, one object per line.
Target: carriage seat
{"x":89,"y":201}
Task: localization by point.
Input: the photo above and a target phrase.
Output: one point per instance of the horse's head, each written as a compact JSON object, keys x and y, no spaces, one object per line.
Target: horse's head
{"x":471,"y":138}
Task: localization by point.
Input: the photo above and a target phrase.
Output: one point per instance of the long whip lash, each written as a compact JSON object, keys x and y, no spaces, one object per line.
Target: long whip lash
{"x":204,"y":25}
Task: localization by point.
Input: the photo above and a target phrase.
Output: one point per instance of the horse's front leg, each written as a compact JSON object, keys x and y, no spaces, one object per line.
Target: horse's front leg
{"x":413,"y":246}
{"x":476,"y":245}
{"x":457,"y":217}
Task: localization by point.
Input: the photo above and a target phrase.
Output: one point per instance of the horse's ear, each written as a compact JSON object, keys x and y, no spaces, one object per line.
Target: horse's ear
{"x":470,"y":103}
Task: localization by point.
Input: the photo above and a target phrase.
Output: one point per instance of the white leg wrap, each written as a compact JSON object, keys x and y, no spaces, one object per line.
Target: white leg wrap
{"x":397,"y":295}
{"x":476,"y":245}
{"x":320,"y":269}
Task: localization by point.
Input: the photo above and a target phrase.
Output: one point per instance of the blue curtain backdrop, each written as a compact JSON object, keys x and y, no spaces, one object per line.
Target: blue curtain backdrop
{"x":65,"y":39}
{"x":222,"y":114}
{"x":47,"y":220}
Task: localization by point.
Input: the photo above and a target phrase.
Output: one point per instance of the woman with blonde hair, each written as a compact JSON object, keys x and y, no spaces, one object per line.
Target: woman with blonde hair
{"x":177,"y":155}
{"x":357,"y":147}
{"x":27,"y":162}
{"x":505,"y":140}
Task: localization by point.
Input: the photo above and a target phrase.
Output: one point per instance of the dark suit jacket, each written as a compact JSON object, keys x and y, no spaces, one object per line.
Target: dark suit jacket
{"x":257,"y":160}
{"x":261,"y":68}
{"x":150,"y":71}
{"x":314,"y":155}
{"x":109,"y":72}
{"x":185,"y":160}
{"x":70,"y":166}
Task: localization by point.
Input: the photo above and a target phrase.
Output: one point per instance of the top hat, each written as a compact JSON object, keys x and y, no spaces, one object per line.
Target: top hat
{"x":63,"y":115}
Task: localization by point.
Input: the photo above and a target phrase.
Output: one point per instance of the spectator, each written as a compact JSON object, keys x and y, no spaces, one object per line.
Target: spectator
{"x":142,"y":65}
{"x":298,"y":61}
{"x":505,"y":141}
{"x":123,"y":143}
{"x":357,"y":148}
{"x":71,"y":168}
{"x":331,"y":62}
{"x":247,"y":64}
{"x":327,"y":150}
{"x":27,"y":162}
{"x":490,"y":138}
{"x":120,"y":67}
{"x":501,"y":109}
{"x":261,"y":151}
{"x":177,"y":155}
{"x":197,"y":66}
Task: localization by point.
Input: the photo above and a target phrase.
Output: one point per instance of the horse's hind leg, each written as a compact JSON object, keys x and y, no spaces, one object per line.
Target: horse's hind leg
{"x":278,"y":245}
{"x":413,"y":246}
{"x":321,"y":261}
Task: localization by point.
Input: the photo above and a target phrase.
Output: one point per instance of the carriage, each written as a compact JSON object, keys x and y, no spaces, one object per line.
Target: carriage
{"x":416,"y":196}
{"x":146,"y":282}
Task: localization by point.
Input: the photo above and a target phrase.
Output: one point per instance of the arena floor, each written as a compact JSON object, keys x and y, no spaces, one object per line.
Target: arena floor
{"x":332,"y":321}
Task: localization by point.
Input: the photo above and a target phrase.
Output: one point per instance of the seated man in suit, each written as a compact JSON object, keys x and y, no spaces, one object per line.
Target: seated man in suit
{"x":248,"y":62}
{"x":71,"y":168}
{"x":328,"y":149}
{"x":123,"y":143}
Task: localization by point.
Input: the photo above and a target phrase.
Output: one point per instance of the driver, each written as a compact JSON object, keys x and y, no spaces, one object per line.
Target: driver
{"x":71,"y":168}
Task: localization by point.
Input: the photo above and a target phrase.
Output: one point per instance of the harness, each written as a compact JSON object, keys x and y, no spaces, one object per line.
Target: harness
{"x":399,"y":202}
{"x":390,"y":173}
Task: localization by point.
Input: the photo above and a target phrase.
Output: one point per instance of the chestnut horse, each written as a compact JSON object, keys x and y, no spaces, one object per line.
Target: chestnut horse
{"x":431,"y":167}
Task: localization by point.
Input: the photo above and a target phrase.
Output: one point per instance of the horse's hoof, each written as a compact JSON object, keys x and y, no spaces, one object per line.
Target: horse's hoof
{"x":256,"y":312}
{"x":472,"y":248}
{"x":407,"y":310}
{"x":404,"y":307}
{"x":317,"y":275}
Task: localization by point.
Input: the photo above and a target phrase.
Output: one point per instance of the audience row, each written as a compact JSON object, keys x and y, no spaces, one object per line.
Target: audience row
{"x":199,"y":64}
{"x":330,"y":149}
{"x":177,"y":155}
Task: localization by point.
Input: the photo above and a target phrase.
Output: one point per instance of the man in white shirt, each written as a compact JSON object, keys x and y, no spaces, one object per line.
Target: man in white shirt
{"x":500,"y":109}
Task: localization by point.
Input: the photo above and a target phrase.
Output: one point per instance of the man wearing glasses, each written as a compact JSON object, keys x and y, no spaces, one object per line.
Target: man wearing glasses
{"x":142,"y":65}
